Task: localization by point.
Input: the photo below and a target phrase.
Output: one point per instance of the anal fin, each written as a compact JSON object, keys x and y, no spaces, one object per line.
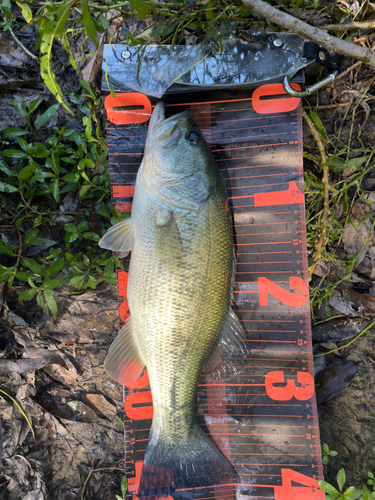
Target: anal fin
{"x":123,"y":362}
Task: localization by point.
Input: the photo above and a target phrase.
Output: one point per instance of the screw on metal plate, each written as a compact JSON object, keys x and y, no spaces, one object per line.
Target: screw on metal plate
{"x":125,"y":54}
{"x":309,"y":90}
{"x":277,"y":42}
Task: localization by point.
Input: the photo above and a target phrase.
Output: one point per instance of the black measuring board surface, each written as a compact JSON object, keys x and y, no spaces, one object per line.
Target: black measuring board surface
{"x":263,"y":414}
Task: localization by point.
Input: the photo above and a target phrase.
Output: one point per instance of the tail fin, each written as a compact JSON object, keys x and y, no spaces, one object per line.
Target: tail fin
{"x":193,"y":462}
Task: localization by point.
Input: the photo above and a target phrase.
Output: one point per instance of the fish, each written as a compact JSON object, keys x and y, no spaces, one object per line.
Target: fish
{"x":180,"y":295}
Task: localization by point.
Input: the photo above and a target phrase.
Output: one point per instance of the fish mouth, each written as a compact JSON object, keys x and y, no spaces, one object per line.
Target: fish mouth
{"x":166,"y":132}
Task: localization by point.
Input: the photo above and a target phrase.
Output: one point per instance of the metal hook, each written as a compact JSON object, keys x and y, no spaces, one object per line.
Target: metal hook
{"x":309,"y":90}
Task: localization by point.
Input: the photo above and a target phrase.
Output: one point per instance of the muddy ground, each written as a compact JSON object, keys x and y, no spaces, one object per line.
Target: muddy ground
{"x":73,"y":405}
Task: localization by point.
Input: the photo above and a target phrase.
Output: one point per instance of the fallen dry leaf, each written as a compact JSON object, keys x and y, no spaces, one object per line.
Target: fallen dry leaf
{"x":356,"y":240}
{"x":344,"y":306}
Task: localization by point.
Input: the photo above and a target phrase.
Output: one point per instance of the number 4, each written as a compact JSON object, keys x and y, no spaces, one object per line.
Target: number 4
{"x":309,"y":491}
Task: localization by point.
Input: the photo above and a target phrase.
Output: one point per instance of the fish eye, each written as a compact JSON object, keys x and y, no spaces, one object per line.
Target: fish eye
{"x":193,"y":136}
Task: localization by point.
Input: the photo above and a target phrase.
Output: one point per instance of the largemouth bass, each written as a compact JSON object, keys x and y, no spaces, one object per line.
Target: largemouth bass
{"x":179,"y":293}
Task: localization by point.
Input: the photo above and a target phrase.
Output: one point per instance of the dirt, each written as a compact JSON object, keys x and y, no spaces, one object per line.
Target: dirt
{"x":74,"y":407}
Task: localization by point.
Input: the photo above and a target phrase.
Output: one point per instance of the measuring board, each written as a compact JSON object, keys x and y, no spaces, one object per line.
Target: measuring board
{"x":263,"y":415}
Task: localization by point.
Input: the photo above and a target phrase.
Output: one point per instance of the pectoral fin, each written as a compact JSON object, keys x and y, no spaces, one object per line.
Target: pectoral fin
{"x":123,"y":362}
{"x":119,"y":238}
{"x":231,"y":343}
{"x":168,"y":240}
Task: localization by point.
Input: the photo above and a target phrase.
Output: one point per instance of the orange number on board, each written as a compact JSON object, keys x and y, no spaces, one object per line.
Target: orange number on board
{"x":285,"y":393}
{"x":297,"y":299}
{"x":309,"y":491}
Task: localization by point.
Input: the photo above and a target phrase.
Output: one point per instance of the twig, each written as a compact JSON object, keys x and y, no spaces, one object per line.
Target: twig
{"x":96,"y":470}
{"x":354,"y":25}
{"x":348,"y":344}
{"x":319,"y":143}
{"x":348,"y":70}
{"x":321,"y":37}
{"x":21,"y":45}
{"x":330,"y":106}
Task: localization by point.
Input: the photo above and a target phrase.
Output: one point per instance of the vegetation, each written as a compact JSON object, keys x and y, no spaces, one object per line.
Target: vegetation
{"x":350,"y":493}
{"x":36,"y":173}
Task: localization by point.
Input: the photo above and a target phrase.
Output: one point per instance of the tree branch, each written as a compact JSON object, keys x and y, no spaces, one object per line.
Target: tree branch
{"x":329,"y":42}
{"x":354,"y":25}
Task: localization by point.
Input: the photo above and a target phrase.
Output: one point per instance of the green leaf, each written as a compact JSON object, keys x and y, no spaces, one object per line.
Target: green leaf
{"x":19,"y":107}
{"x":27,"y":294}
{"x":26,"y":11}
{"x":318,"y":124}
{"x":366,"y":493}
{"x":370,"y":474}
{"x":21,"y":141}
{"x":142,"y":9}
{"x":119,"y":498}
{"x":46,"y":116}
{"x":41,"y":153}
{"x":109,"y":269}
{"x":6,"y":249}
{"x":325,"y":448}
{"x":4,"y":168}
{"x":26,"y":172}
{"x":71,"y":228}
{"x":124,"y":486}
{"x":85,"y":85}
{"x":325,"y":459}
{"x":355,"y":494}
{"x":77,"y":281}
{"x":332,"y":453}
{"x":71,"y":177}
{"x":333,"y":497}
{"x":328,"y":488}
{"x":7,"y":188}
{"x":13,"y":132}
{"x":34,"y":266}
{"x":88,"y":23}
{"x":65,"y":44}
{"x":31,"y":237}
{"x":33,"y":105}
{"x":341,"y":478}
{"x":55,"y":189}
{"x":55,"y":267}
{"x":39,"y":299}
{"x":51,"y":284}
{"x":349,"y":491}
{"x":82,"y":226}
{"x":92,"y":283}
{"x":49,"y":30}
{"x":14,"y":153}
{"x":84,"y":188}
{"x":91,"y":235}
{"x":22,"y":276}
{"x":88,"y":126}
{"x":4,"y":273}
